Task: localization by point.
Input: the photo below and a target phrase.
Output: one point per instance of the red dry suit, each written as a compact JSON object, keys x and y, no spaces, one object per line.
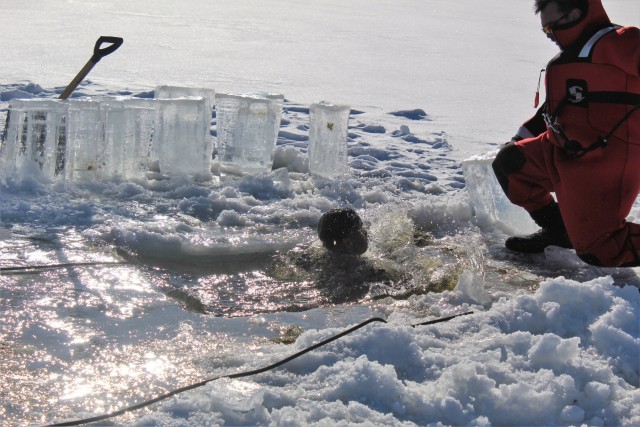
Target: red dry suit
{"x":584,"y":142}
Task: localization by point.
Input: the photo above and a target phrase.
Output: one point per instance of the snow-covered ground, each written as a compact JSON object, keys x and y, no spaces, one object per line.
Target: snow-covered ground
{"x":220,"y":275}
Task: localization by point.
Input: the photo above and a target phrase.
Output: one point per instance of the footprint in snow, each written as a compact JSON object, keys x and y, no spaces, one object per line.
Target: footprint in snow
{"x":416,"y":114}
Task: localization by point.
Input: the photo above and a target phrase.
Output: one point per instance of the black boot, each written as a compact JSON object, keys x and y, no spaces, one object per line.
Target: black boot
{"x":553,"y":232}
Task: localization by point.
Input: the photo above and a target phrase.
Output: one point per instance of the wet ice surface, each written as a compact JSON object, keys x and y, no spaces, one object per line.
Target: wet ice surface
{"x":232,"y":225}
{"x":196,"y":256}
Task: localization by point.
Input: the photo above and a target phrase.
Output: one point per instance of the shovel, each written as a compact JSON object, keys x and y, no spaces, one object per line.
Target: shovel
{"x":36,"y":144}
{"x":98,"y":53}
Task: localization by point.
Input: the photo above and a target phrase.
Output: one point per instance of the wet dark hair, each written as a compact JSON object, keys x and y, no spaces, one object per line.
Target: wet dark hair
{"x":337,"y":224}
{"x":564,"y":6}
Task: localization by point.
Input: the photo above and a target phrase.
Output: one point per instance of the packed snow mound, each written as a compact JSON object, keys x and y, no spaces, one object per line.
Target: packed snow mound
{"x":567,"y":354}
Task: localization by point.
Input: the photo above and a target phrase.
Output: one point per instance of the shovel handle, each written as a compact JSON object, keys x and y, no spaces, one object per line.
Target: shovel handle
{"x":99,"y":53}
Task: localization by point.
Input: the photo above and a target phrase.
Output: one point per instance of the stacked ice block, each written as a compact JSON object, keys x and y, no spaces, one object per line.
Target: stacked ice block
{"x":247,"y":130}
{"x":107,"y":137}
{"x":85,"y":140}
{"x":165,"y":137}
{"x":182,"y":137}
{"x":36,"y":130}
{"x":184,"y":145}
{"x":328,"y":139}
{"x":129,"y":129}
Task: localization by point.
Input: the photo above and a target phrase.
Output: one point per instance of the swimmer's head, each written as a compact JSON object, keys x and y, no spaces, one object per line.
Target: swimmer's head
{"x":340,"y":230}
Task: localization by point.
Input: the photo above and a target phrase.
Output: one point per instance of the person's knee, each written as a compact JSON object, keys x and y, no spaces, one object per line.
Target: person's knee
{"x":509,"y":159}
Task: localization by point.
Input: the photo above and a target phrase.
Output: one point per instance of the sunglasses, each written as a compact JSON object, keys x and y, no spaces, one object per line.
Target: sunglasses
{"x":548,"y":29}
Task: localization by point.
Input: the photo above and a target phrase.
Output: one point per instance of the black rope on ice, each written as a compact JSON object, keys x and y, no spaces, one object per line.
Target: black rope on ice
{"x":244,"y":374}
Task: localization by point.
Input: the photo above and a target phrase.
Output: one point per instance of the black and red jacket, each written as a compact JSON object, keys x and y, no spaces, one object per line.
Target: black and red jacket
{"x":592,"y":85}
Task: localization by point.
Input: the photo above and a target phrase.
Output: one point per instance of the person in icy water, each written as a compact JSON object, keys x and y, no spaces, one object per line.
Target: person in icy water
{"x":340,"y":230}
{"x":355,"y":264}
{"x":583,"y":144}
{"x":338,"y":269}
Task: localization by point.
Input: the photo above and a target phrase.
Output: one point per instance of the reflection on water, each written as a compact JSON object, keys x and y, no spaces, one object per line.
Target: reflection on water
{"x":81,"y":340}
{"x":78,"y":341}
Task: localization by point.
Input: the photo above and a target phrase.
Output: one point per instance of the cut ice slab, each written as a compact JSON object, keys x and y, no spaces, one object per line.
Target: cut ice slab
{"x":181,"y":138}
{"x":247,"y":130}
{"x":85,"y":140}
{"x":35,"y":132}
{"x":489,"y":202}
{"x":128,"y":132}
{"x":328,"y":139}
